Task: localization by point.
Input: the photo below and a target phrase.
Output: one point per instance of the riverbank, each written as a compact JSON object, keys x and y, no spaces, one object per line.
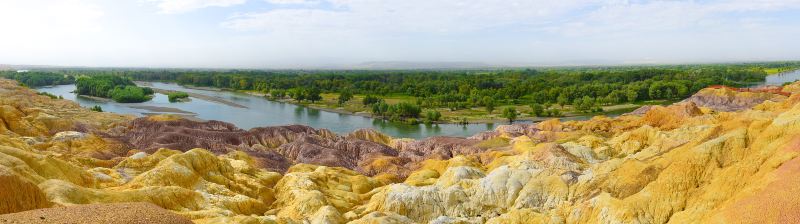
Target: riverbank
{"x":201,"y":96}
{"x":163,"y":109}
{"x":476,"y":115}
{"x":99,"y":99}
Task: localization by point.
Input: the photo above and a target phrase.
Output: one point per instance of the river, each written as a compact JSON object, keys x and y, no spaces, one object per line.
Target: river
{"x":261,"y":112}
{"x":779,"y":79}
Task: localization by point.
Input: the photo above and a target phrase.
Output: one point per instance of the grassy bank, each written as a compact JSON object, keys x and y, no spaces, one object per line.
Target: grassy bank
{"x":355,"y":106}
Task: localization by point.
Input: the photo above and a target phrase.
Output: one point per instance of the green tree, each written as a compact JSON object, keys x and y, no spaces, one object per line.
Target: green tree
{"x":297,"y":94}
{"x":345,"y":96}
{"x":631,"y":95}
{"x":510,"y":113}
{"x":380,"y":109}
{"x":488,"y":102}
{"x":370,"y":99}
{"x":584,"y":104}
{"x":555,"y":112}
{"x":277,"y":93}
{"x":562,"y":100}
{"x":537,"y":110}
{"x":432,"y":116}
{"x":313,"y":95}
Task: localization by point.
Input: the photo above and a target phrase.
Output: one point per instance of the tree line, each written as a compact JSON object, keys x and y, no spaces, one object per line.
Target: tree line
{"x":465,"y":89}
{"x":585,"y":88}
{"x":118,"y":88}
{"x":38,"y":78}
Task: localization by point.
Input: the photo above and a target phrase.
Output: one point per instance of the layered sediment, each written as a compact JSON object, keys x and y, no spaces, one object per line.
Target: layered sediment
{"x":729,"y":157}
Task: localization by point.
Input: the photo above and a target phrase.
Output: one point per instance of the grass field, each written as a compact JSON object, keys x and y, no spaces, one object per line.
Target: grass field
{"x":773,"y":71}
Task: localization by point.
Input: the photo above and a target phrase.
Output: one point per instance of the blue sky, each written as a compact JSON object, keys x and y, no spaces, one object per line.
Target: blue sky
{"x":346,"y":33}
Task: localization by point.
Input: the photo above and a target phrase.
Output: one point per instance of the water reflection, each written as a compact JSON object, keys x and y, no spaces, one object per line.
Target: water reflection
{"x":779,"y":79}
{"x":298,"y":111}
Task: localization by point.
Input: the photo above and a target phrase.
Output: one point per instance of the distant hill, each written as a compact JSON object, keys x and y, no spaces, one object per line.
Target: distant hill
{"x":420,"y":65}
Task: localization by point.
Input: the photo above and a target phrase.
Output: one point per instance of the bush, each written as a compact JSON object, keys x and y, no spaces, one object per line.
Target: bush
{"x":432,"y":116}
{"x":176,"y":96}
{"x":96,"y":108}
{"x":397,"y":112}
{"x":370,"y":99}
{"x":345,"y":96}
{"x":510,"y":113}
{"x":48,"y":95}
{"x":277,"y":93}
{"x":537,"y":110}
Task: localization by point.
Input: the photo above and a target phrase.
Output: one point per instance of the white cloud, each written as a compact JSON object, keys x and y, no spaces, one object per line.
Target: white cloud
{"x":298,"y":33}
{"x":181,"y":6}
{"x":455,"y":16}
{"x":293,"y":2}
{"x":527,"y":31}
{"x":405,"y":16}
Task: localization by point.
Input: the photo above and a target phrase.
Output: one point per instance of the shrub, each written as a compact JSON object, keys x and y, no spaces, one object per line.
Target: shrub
{"x":176,"y":96}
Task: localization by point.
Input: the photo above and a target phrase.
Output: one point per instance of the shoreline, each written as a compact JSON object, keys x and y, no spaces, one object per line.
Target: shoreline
{"x":101,"y":99}
{"x":613,"y":113}
{"x":202,"y":97}
{"x":159,"y":109}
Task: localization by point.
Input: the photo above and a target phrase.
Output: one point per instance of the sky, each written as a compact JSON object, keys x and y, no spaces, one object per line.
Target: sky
{"x":282,"y":34}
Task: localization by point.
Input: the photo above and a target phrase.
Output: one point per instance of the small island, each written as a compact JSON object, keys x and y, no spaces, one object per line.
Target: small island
{"x":119,"y":89}
{"x":178,"y":97}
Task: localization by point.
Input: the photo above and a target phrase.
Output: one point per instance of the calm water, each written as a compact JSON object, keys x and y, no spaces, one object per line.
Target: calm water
{"x":779,"y":79}
{"x":262,"y":112}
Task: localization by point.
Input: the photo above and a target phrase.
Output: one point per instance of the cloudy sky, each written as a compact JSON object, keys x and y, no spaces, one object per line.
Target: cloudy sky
{"x":341,"y":33}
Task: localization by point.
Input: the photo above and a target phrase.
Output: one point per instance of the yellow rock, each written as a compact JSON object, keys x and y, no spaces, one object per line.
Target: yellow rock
{"x":18,"y":194}
{"x":677,"y":164}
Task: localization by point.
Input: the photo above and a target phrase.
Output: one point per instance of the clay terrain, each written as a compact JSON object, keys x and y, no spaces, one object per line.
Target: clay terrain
{"x":723,"y":155}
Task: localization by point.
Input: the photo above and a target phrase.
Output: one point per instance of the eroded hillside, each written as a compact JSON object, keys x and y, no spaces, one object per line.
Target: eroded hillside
{"x":722,"y":156}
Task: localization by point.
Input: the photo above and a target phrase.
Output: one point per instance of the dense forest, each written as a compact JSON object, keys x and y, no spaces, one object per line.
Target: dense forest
{"x":584,"y":89}
{"x":464,"y":89}
{"x":118,"y":88}
{"x":38,"y":78}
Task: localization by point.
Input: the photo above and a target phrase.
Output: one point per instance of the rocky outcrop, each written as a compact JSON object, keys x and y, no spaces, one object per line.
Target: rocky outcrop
{"x":440,"y":147}
{"x":682,"y":163}
{"x":337,"y":152}
{"x":277,"y":148}
{"x":732,"y":99}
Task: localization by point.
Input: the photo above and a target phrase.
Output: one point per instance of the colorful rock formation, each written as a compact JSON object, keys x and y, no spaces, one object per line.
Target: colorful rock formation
{"x":706,"y":160}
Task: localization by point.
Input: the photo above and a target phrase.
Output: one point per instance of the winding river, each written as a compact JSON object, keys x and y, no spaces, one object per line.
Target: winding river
{"x":250,"y":111}
{"x":259,"y":112}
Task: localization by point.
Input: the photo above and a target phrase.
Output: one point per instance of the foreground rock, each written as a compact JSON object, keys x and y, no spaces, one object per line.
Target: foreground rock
{"x":682,"y":163}
{"x":721,"y":98}
{"x":277,"y":148}
{"x":122,"y":213}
